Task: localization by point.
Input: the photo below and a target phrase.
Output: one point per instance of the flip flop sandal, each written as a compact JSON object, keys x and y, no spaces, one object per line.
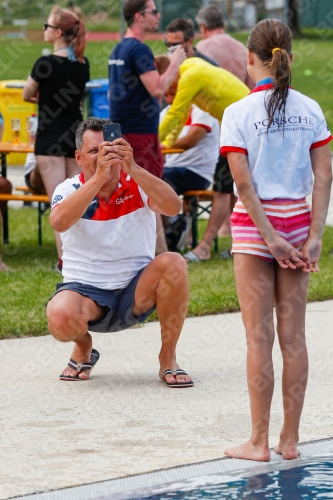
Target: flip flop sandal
{"x":193,"y":257}
{"x":81,"y":367}
{"x":179,"y":385}
{"x":226,"y":255}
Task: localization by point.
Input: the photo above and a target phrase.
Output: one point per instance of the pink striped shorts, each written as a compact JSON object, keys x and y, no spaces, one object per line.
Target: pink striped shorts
{"x":290,"y":218}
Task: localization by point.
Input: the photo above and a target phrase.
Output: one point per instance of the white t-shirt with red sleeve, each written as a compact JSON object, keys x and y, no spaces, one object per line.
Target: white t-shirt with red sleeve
{"x":112,"y":241}
{"x":279,"y":163}
{"x":202,"y":158}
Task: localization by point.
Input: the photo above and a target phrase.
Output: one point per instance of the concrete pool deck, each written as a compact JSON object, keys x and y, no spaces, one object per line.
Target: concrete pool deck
{"x":125,"y":421}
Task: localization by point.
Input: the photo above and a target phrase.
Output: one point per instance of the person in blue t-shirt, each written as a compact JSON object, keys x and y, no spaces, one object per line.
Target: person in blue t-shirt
{"x":135,"y":84}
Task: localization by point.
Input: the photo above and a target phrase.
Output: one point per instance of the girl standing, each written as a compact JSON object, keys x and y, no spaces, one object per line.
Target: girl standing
{"x":57,"y":83}
{"x":275,"y":139}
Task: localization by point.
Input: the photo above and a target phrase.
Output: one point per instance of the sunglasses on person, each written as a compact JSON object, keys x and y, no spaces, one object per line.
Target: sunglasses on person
{"x":169,"y":44}
{"x":153,"y":12}
{"x":45,"y":26}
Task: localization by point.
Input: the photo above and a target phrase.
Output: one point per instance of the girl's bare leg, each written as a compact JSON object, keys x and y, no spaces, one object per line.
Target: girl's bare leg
{"x":255,"y":281}
{"x":291,"y":288}
{"x":72,"y":168}
{"x":54,"y":170}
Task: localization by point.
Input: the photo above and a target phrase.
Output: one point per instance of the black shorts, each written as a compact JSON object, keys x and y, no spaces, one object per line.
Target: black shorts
{"x":223,"y":181}
{"x":119,"y":302}
{"x":60,"y":143}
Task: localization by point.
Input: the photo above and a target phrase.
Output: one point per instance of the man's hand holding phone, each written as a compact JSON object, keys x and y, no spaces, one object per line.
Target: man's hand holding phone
{"x":115,"y":150}
{"x":107,"y":158}
{"x":120,"y":147}
{"x":178,"y":55}
{"x":124,"y":150}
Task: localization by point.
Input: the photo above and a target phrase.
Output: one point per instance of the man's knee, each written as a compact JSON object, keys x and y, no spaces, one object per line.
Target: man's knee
{"x":173,"y":268}
{"x":62,"y":322}
{"x":36,"y":180}
{"x":5,"y":186}
{"x":173,"y":259}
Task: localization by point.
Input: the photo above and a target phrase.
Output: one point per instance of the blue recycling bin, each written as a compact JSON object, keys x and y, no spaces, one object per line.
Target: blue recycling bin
{"x":97,"y":103}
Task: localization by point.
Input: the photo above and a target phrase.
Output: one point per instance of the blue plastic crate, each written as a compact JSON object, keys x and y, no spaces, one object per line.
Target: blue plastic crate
{"x":98,"y":103}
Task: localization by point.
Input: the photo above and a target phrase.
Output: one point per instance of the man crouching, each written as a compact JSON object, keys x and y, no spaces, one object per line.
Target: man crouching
{"x":106,"y":217}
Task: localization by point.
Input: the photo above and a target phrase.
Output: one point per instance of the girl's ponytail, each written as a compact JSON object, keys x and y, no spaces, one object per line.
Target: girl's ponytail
{"x":271,"y":41}
{"x":79,"y":43}
{"x":73,"y":30}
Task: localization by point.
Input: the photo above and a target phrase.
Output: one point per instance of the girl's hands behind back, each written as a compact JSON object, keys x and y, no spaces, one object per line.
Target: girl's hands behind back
{"x":311,"y":251}
{"x":286,"y":255}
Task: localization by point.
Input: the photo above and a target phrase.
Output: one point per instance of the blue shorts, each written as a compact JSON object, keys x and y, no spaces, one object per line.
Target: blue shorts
{"x":182,"y":179}
{"x":119,"y":302}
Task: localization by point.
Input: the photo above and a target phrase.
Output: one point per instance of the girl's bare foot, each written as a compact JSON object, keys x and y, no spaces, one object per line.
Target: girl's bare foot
{"x":289,"y":451}
{"x":287,"y":446}
{"x":249,"y":451}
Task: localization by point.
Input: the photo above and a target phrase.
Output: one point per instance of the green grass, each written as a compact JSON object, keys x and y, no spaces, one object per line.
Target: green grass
{"x":26,"y":289}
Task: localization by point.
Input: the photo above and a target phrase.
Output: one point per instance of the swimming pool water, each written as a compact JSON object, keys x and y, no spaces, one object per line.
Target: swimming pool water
{"x":309,"y":479}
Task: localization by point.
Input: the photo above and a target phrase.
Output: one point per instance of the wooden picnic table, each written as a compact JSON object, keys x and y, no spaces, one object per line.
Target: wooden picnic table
{"x":5,"y":149}
{"x":171,"y":151}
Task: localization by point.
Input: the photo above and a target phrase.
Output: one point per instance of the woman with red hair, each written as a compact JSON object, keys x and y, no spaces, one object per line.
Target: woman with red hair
{"x":57,"y":83}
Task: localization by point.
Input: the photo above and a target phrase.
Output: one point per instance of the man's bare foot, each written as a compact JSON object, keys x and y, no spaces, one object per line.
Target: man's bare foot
{"x":170,"y":364}
{"x":289,"y":451}
{"x":81,"y":354}
{"x":249,"y":451}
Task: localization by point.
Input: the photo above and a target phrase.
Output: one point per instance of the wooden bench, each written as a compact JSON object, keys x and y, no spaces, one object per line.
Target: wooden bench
{"x":43,"y":204}
{"x":194,"y":200}
{"x":26,"y":189}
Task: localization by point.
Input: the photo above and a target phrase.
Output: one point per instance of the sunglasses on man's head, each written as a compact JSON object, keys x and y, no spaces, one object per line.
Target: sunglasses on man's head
{"x":153,"y":12}
{"x":169,"y":44}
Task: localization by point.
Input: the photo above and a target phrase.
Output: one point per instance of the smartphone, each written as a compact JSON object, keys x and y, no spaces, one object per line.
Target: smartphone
{"x":111,"y":132}
{"x":173,"y":48}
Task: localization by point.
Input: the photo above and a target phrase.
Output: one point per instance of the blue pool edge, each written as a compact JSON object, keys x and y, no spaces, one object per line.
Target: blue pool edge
{"x":144,"y":484}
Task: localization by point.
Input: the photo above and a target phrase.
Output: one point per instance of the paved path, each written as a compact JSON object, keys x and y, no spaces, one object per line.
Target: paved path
{"x":124,"y":420}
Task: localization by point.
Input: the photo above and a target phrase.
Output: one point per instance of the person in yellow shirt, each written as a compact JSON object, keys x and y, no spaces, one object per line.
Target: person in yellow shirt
{"x":209,"y":87}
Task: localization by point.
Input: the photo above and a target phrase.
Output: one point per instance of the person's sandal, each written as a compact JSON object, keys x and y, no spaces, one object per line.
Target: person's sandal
{"x":81,"y":367}
{"x":193,"y":257}
{"x":177,"y":385}
{"x":226,"y":254}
